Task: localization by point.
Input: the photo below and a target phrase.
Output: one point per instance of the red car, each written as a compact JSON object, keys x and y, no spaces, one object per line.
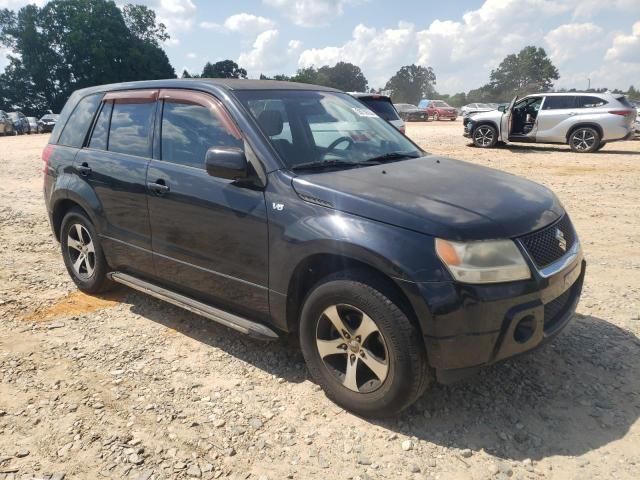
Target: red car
{"x":438,"y":109}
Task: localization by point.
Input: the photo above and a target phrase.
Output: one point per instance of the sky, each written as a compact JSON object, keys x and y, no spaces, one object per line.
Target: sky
{"x":463,"y":40}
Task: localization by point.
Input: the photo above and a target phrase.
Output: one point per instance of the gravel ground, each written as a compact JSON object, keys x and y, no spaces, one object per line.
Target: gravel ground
{"x":124,"y":386}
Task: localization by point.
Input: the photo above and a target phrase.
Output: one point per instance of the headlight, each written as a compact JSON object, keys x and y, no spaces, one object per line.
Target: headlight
{"x":489,"y":261}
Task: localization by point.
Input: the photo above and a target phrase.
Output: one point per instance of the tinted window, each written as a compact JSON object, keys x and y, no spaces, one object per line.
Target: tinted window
{"x":188,"y":131}
{"x":589,"y":102}
{"x":384,"y":108}
{"x":101,"y":129}
{"x":79,"y":121}
{"x":557,"y":103}
{"x":130,"y":127}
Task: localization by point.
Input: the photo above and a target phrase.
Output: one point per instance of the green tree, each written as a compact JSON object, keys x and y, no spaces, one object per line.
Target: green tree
{"x":71,"y":44}
{"x":343,"y":76}
{"x":412,"y":83}
{"x":633,"y":93}
{"x":223,"y":69}
{"x":528,"y":71}
{"x":141,"y":22}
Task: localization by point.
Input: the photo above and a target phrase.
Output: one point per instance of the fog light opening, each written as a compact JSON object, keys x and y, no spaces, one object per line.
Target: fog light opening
{"x":524,"y":329}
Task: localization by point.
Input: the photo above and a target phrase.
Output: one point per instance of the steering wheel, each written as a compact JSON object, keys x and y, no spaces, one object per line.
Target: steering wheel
{"x":336,"y":142}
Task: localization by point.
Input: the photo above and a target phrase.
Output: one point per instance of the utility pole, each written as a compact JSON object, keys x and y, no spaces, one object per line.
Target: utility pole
{"x":588,"y":83}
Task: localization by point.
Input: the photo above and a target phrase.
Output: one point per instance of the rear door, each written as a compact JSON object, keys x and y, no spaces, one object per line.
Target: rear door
{"x":114,"y":165}
{"x":209,"y":234}
{"x":555,"y":118}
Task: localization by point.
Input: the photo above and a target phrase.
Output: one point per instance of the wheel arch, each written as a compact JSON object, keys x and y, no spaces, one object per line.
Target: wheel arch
{"x":593,"y":125}
{"x":311,"y":270}
{"x":60,"y":209}
{"x":486,"y":122}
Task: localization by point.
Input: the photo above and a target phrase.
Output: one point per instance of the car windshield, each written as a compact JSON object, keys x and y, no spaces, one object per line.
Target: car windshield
{"x":439,"y":104}
{"x":325,"y":128}
{"x":382,"y":107}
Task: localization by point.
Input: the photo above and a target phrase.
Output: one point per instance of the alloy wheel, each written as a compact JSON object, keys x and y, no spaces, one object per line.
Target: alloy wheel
{"x":352,"y":348}
{"x":436,"y":116}
{"x":81,"y":251}
{"x":483,"y":136}
{"x":583,"y":139}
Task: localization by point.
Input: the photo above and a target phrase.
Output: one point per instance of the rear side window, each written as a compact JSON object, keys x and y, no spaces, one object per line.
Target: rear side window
{"x":79,"y":121}
{"x":101,"y":129}
{"x":558,"y":103}
{"x":383,"y":108}
{"x":189,"y":130}
{"x":589,"y":102}
{"x":130,"y":128}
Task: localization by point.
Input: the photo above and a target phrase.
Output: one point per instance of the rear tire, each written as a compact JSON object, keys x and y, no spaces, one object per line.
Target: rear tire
{"x":485,"y":136}
{"x":584,"y":140}
{"x":361,"y":327}
{"x":82,"y":253}
{"x":602,"y":144}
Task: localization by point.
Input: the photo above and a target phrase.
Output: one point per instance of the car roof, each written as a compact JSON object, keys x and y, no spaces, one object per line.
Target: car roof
{"x":232,"y":84}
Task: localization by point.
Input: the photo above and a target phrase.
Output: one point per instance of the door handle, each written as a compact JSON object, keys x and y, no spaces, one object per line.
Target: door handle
{"x":159,"y":187}
{"x":84,"y":169}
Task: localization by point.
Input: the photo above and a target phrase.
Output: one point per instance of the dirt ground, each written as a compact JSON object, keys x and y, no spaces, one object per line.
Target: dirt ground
{"x":125,"y":386}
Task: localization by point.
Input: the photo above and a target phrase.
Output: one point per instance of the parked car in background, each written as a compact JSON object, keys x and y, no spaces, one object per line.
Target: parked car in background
{"x":411,"y":113}
{"x":20,"y":122}
{"x":438,"y":109}
{"x":6,"y":124}
{"x":391,"y":266}
{"x":33,"y":124}
{"x":585,"y":121}
{"x":47,"y":122}
{"x":475,"y":108}
{"x":383,"y":106}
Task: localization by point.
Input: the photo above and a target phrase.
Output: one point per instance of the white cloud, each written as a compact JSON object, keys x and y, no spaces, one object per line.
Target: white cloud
{"x":311,"y":13}
{"x":246,"y":22}
{"x":191,"y":55}
{"x":377,"y":52}
{"x":268,"y":53}
{"x":572,"y":41}
{"x":177,"y":15}
{"x":15,"y":4}
{"x":210,"y":25}
{"x":626,"y":48}
{"x":591,"y":8}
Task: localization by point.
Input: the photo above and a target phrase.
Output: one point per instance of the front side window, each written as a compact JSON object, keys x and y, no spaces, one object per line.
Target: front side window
{"x":189,"y":130}
{"x":324,"y":126}
{"x":79,"y":121}
{"x":130,"y":128}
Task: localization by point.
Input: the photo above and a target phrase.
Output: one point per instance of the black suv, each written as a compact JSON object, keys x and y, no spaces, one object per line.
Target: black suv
{"x":277,"y":208}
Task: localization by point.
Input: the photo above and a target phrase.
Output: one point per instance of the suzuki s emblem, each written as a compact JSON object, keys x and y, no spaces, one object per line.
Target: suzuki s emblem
{"x":562,"y":242}
{"x":277,"y":206}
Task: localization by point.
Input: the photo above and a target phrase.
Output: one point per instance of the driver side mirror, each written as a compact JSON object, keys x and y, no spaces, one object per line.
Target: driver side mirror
{"x":226,"y":162}
{"x":502,"y":108}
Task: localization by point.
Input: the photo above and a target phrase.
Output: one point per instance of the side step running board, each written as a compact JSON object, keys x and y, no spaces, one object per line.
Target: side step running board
{"x":227,"y":319}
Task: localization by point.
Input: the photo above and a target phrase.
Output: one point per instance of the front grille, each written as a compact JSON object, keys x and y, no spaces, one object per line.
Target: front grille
{"x":544,"y":247}
{"x":557,"y":308}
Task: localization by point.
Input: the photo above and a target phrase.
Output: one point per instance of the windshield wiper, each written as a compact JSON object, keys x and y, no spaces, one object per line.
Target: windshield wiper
{"x":391,"y":156}
{"x":322,"y":165}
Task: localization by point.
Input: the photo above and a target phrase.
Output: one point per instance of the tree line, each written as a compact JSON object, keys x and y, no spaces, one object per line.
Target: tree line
{"x":70,"y":44}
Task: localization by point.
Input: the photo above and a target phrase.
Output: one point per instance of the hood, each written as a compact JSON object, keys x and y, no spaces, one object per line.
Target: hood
{"x":437,"y":196}
{"x":494,"y":115}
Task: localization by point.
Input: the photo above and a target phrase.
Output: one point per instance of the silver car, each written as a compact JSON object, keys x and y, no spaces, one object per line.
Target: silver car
{"x":584,"y":121}
{"x":472,"y":108}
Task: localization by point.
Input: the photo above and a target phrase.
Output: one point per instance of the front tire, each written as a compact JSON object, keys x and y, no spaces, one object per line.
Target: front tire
{"x":82,"y":253}
{"x":436,"y":117}
{"x":361,"y":348}
{"x":584,"y":140}
{"x":485,"y":136}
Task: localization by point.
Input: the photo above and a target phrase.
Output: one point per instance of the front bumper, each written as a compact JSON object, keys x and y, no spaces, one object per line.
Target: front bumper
{"x":473,"y":326}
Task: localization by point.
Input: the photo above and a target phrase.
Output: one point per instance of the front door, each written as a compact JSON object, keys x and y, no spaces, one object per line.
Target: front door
{"x":209,"y":235}
{"x":505,"y":121}
{"x":114,"y":165}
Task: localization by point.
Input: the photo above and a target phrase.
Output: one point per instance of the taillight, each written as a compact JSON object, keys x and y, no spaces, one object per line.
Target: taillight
{"x":46,"y":154}
{"x":403,"y":129}
{"x":623,"y":113}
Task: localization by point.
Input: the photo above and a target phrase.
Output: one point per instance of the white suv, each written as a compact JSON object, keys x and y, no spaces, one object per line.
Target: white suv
{"x":585,"y":121}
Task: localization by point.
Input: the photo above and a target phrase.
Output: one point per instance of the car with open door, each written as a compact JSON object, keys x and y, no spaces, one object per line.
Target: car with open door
{"x":584,"y":121}
{"x":286,"y":209}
